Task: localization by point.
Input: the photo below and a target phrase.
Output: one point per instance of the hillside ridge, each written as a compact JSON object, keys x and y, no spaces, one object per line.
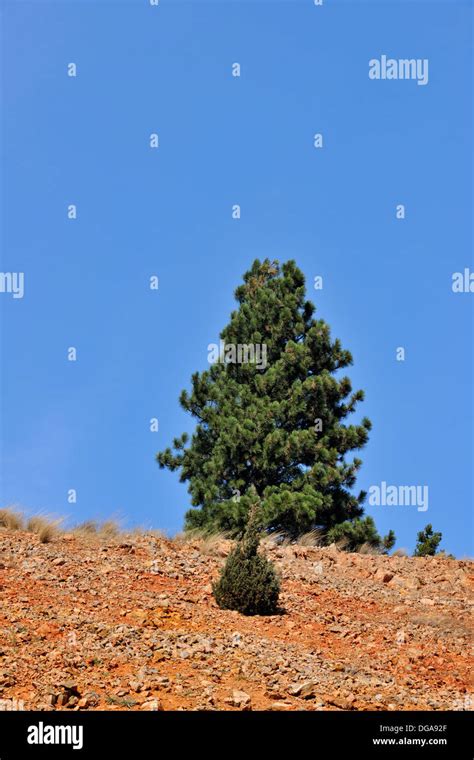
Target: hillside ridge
{"x":129,"y":622}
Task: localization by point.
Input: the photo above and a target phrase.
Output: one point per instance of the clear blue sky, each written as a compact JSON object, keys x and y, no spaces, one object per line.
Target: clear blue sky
{"x":226,"y":140}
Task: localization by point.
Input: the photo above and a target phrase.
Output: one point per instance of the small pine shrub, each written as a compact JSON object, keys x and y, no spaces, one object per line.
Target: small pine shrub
{"x":427,"y":542}
{"x":248,"y":582}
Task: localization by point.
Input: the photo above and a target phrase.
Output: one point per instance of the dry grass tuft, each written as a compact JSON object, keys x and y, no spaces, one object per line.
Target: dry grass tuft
{"x":109,"y":529}
{"x":400,"y":553}
{"x":87,"y":528}
{"x":314,"y":537}
{"x":211,"y":543}
{"x":103,"y":531}
{"x":277,"y":538}
{"x":444,"y":624}
{"x":341,"y":545}
{"x":188,"y":536}
{"x":44,"y":527}
{"x":373,"y":551}
{"x":205,"y":541}
{"x":10,"y":519}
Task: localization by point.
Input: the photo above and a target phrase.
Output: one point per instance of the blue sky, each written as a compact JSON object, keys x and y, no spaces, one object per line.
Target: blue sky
{"x":84,"y":425}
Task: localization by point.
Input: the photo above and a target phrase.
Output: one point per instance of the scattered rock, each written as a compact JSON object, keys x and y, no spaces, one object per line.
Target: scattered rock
{"x":370,"y":632}
{"x":427,"y":602}
{"x":307,"y":690}
{"x":240,"y":699}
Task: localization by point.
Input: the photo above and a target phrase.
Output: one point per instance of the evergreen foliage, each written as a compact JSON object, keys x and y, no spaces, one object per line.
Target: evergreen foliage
{"x":281,"y":428}
{"x":427,"y":542}
{"x":355,"y":533}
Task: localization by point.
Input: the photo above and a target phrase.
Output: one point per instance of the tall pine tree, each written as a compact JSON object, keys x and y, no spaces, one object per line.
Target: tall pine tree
{"x":281,"y":427}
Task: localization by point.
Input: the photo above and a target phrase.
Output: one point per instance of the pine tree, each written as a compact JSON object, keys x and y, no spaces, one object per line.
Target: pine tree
{"x":427,"y":542}
{"x":279,"y":427}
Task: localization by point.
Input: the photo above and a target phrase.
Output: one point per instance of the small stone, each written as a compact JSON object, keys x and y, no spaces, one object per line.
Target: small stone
{"x":383,"y":575}
{"x":152,"y":704}
{"x":427,"y":602}
{"x":236,"y":639}
{"x":305,"y":690}
{"x":240,"y":698}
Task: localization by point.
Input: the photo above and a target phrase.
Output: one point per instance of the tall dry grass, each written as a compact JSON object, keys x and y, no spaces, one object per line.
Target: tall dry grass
{"x":11,"y":519}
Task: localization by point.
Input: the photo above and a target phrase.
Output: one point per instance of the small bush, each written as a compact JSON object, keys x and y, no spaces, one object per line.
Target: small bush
{"x":351,"y":535}
{"x":10,"y":519}
{"x":248,"y":582}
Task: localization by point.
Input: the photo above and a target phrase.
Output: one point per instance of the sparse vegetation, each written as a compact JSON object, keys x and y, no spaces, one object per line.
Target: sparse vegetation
{"x":276,"y":538}
{"x":10,"y":519}
{"x":444,"y":555}
{"x":367,"y":548}
{"x":45,"y":528}
{"x":352,"y":535}
{"x":135,"y":618}
{"x":107,"y":530}
{"x":313,"y":537}
{"x":122,"y":701}
{"x":209,"y":542}
{"x":400,"y":553}
{"x":88,"y":527}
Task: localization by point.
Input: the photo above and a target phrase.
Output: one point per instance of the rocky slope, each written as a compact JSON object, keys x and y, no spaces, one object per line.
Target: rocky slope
{"x":130,"y":623}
